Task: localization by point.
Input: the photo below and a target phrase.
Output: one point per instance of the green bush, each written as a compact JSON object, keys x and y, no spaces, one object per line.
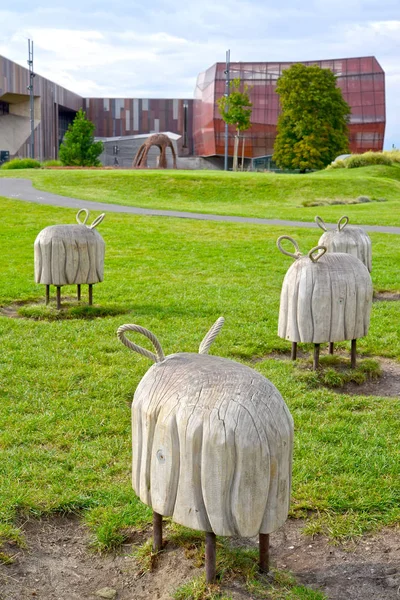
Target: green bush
{"x":52,"y":163}
{"x":21,"y":163}
{"x":387,"y":157}
{"x":368,"y":158}
{"x":337,"y":164}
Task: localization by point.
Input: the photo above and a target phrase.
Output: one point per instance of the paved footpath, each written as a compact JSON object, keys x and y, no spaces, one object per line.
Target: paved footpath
{"x":22,"y":189}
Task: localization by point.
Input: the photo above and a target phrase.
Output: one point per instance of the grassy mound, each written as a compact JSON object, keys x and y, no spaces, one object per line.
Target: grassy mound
{"x":264,"y":195}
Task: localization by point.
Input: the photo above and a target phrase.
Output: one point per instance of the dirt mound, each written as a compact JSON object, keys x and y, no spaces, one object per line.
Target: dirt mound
{"x":58,"y":565}
{"x":388,"y":384}
{"x":386,"y":296}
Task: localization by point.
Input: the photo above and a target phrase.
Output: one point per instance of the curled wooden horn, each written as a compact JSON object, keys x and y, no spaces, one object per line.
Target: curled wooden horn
{"x":316,"y":258}
{"x":294,"y":255}
{"x":342,"y":223}
{"x":211,"y":335}
{"x":158,"y":357}
{"x":82,"y":210}
{"x":97,"y":221}
{"x":321,"y":223}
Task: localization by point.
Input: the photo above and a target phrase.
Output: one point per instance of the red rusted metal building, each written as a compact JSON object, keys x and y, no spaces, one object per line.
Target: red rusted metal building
{"x":362,"y":81}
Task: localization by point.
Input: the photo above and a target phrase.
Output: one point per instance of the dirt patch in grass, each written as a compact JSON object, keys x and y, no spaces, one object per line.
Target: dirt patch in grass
{"x":386,"y":296}
{"x":57,"y":564}
{"x":387,"y":385}
{"x":381,"y":375}
{"x":70,"y":309}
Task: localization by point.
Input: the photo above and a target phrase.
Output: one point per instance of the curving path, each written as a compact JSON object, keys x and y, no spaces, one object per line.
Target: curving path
{"x":22,"y":189}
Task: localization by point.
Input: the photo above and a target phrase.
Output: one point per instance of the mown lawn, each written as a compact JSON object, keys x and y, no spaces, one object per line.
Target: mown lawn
{"x":66,"y":385}
{"x":263,"y":195}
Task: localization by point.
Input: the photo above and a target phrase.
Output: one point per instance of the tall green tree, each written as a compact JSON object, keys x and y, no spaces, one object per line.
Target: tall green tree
{"x":235,"y":109}
{"x":313,"y":124}
{"x":78,"y":147}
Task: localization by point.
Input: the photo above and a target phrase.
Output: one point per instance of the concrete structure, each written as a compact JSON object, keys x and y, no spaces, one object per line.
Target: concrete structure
{"x":197,"y":125}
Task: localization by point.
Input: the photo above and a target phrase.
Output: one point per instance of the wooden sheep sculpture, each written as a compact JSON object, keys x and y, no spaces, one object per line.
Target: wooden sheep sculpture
{"x":160,"y":140}
{"x":212,"y":445}
{"x":70,"y":254}
{"x":348,"y":239}
{"x":324,"y":298}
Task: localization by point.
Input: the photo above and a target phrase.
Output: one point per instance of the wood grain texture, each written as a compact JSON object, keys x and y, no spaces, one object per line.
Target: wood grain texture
{"x":69,"y":254}
{"x":350,"y":240}
{"x":326,"y":301}
{"x":212,"y":445}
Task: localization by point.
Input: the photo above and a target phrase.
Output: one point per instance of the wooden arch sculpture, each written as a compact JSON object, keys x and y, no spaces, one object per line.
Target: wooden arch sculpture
{"x":157,"y":139}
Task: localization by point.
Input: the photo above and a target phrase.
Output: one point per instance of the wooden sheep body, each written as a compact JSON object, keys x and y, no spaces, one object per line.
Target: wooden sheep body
{"x":212,"y":442}
{"x":324,"y":298}
{"x":347,"y":239}
{"x":70,"y":254}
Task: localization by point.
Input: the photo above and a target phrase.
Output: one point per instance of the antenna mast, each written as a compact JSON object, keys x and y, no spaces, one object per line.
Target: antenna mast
{"x":31,"y":98}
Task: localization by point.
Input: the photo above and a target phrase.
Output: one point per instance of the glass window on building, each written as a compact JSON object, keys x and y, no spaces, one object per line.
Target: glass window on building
{"x":4,"y":108}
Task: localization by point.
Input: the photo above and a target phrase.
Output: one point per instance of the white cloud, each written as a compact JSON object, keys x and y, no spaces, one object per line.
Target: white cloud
{"x":158,"y":50}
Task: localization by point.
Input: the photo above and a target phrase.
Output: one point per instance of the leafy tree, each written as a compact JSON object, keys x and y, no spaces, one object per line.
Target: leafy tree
{"x":312,"y":127}
{"x":78,"y":147}
{"x":235,"y":109}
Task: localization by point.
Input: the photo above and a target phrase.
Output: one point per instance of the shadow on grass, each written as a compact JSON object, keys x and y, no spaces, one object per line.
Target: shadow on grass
{"x":68,"y":311}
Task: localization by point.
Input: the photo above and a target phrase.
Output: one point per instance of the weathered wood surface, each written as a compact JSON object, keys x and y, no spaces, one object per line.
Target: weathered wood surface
{"x":69,"y":254}
{"x":328,"y":300}
{"x":348,"y":239}
{"x":212,"y":445}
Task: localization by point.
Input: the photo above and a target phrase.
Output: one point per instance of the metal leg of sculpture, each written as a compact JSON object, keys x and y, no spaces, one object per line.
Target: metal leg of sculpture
{"x":264,"y":552}
{"x":58,"y":296}
{"x":78,"y":291}
{"x":173,"y":156}
{"x":138,"y":156}
{"x":47,"y":294}
{"x":211,"y":557}
{"x":316,"y":356}
{"x":143,"y":161}
{"x":162,"y":164}
{"x":353,"y":354}
{"x":157,"y":532}
{"x":293,"y":354}
{"x":331,"y":347}
{"x":90,"y":294}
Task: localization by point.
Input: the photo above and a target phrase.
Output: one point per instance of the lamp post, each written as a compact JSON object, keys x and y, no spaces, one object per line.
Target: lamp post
{"x":227,"y":85}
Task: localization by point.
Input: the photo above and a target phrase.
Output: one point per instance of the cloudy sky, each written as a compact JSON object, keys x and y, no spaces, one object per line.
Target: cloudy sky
{"x":123,"y":48}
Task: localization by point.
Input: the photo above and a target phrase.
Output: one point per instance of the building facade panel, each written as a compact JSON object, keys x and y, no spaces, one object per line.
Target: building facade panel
{"x":361,"y":80}
{"x":115,"y":117}
{"x":50,"y":100}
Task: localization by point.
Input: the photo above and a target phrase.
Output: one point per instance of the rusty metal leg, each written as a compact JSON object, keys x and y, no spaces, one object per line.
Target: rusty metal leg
{"x":78,"y":291}
{"x":157,"y":532}
{"x":47,"y":294}
{"x":353,"y":354}
{"x":293,"y":355}
{"x":90,"y":294}
{"x":58,"y":296}
{"x":211,"y":557}
{"x":331,"y":347}
{"x":316,"y":356}
{"x":264,"y":552}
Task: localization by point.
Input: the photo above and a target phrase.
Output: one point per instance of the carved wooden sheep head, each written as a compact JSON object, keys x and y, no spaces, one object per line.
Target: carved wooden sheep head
{"x":325,"y":297}
{"x":212,"y":441}
{"x":347,"y":239}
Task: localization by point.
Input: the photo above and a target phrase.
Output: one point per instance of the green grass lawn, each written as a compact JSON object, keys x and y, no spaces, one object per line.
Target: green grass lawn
{"x":263,"y":195}
{"x":66,"y":385}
